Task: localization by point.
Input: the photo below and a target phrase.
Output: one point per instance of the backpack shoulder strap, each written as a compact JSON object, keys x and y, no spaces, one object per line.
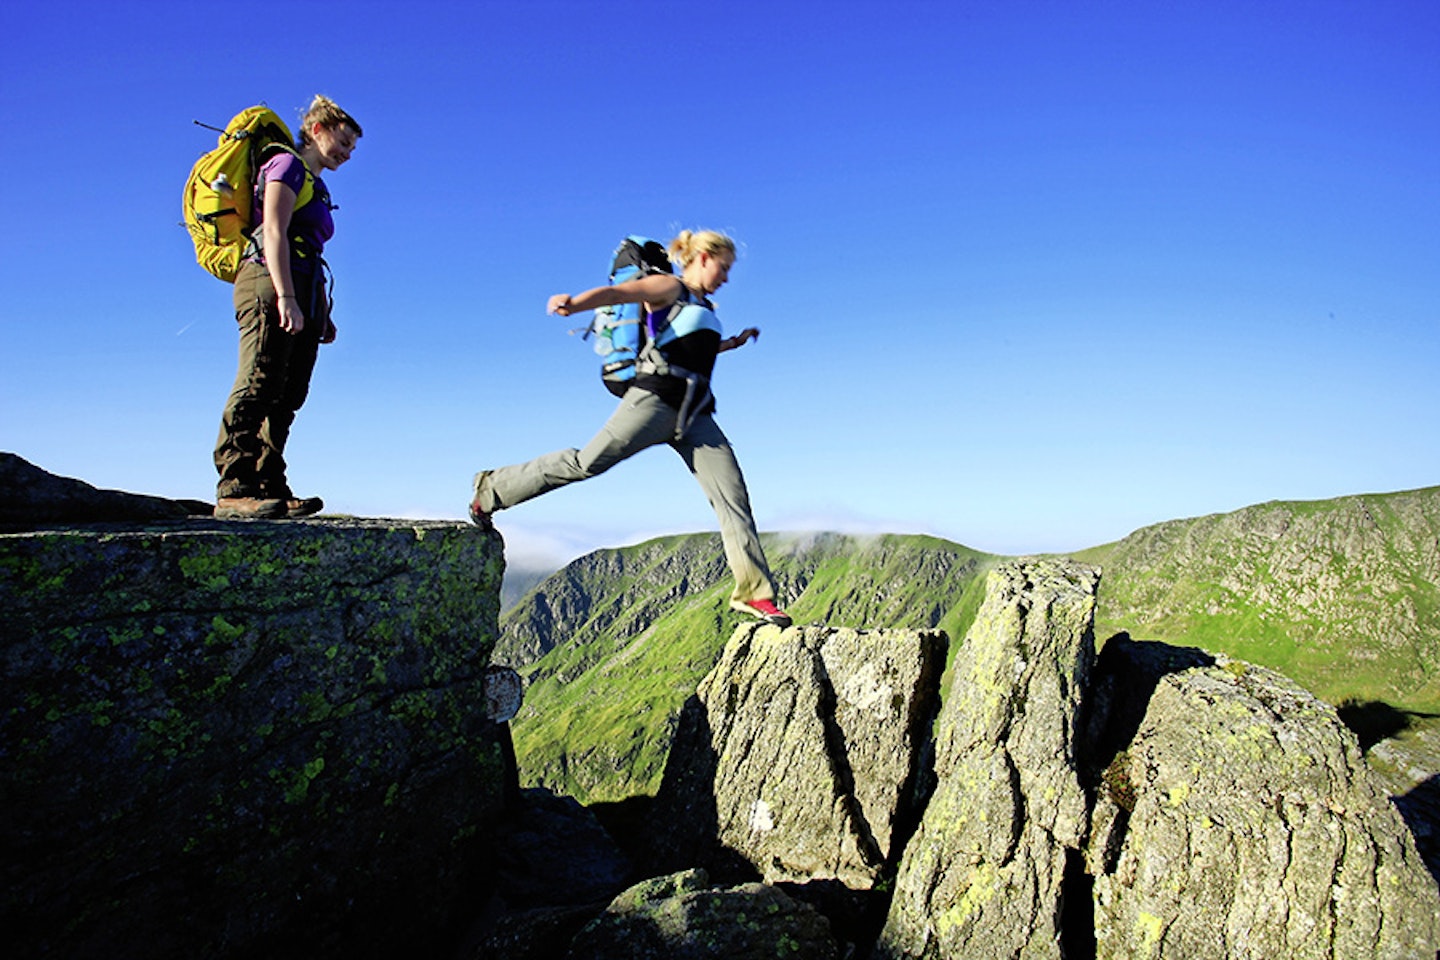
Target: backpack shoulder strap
{"x":307,"y":191}
{"x":686,"y":298}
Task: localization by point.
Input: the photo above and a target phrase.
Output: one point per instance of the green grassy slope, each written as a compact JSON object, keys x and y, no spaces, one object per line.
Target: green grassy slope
{"x":1340,"y":595}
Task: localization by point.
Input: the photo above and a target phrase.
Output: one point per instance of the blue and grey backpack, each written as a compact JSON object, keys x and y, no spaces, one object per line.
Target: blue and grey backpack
{"x":619,"y":331}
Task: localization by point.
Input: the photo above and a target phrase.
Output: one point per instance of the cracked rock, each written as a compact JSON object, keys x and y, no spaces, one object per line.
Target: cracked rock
{"x":799,"y":754}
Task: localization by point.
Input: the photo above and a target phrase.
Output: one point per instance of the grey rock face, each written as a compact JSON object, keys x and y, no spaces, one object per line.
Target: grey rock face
{"x":801,"y":749}
{"x":681,"y":918}
{"x":243,"y":739}
{"x":982,"y":876}
{"x":1241,"y":822}
{"x":662,"y":608}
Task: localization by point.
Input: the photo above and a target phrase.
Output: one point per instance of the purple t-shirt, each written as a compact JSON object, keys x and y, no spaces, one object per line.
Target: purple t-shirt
{"x":311,"y":223}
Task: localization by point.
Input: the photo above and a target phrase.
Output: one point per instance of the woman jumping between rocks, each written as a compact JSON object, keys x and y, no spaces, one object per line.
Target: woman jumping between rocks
{"x":669,"y":402}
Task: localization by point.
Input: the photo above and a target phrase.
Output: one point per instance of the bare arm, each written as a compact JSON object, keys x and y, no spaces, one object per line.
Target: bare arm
{"x":656,"y":291}
{"x":279,"y":206}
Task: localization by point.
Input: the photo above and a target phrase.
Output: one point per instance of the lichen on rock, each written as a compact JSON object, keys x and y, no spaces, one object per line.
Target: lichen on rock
{"x":983,"y":874}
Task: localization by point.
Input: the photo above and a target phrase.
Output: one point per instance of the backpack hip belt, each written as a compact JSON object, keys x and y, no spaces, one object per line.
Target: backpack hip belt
{"x":697,"y":386}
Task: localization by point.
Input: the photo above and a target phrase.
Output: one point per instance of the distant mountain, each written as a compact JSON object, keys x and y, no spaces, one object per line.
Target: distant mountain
{"x":1341,"y":595}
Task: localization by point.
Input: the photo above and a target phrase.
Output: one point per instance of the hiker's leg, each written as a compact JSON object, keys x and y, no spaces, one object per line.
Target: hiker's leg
{"x":264,"y":356}
{"x":641,"y":420}
{"x":711,"y":459}
{"x":295,"y":387}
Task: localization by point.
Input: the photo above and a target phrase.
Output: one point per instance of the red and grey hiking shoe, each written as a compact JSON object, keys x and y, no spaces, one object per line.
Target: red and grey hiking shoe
{"x":478,"y":514}
{"x":763,"y":610}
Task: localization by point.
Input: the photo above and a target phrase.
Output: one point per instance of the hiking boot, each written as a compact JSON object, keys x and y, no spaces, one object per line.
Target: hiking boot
{"x":764,"y":610}
{"x":248,"y":508}
{"x":478,"y":514}
{"x":303,"y":506}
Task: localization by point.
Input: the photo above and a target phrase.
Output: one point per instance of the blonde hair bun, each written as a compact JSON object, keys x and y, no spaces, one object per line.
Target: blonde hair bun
{"x":327,"y":113}
{"x":691,"y":243}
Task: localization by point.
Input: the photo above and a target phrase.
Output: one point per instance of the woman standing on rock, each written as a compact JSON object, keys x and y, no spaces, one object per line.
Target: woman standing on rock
{"x":670,"y":402}
{"x":283,"y":309}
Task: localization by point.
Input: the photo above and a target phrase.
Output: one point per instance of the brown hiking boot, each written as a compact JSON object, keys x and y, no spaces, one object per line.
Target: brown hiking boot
{"x":248,"y":508}
{"x":303,"y":506}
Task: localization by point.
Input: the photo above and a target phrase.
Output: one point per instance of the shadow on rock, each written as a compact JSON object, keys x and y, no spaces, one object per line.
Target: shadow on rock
{"x":1421,"y":810}
{"x":555,"y":869}
{"x":1126,"y":674}
{"x":1373,"y":720}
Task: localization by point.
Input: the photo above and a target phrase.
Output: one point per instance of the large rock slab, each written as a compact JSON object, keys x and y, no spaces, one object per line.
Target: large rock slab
{"x":801,"y":751}
{"x":1243,"y":822}
{"x":983,"y":875}
{"x":243,"y":739}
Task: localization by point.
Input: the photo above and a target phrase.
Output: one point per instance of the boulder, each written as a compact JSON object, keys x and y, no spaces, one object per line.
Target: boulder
{"x":682,"y":917}
{"x":984,"y":873}
{"x":1241,"y":821}
{"x":244,"y":739}
{"x":800,"y":753}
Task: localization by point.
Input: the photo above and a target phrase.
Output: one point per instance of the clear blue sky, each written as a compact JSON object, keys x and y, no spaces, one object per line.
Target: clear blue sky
{"x":1030,"y":275}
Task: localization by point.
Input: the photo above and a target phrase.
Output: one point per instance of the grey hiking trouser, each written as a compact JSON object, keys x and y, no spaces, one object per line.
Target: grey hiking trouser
{"x":644,"y":420}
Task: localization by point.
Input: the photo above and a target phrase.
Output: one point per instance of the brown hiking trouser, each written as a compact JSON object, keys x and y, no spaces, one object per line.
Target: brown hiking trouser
{"x":271,"y":384}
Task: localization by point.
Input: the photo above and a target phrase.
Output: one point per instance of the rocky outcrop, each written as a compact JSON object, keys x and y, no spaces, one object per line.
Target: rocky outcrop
{"x":271,"y":739}
{"x":800,"y":753}
{"x":984,"y":874}
{"x":244,"y":739}
{"x":33,"y":497}
{"x":1154,"y":802}
{"x":1240,"y":820}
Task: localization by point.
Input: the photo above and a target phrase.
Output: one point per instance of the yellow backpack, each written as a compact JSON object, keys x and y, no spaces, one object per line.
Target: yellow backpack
{"x":219,"y":189}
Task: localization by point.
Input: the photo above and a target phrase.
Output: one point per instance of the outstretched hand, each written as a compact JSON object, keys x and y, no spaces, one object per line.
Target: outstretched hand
{"x":741,"y":338}
{"x":559,"y":304}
